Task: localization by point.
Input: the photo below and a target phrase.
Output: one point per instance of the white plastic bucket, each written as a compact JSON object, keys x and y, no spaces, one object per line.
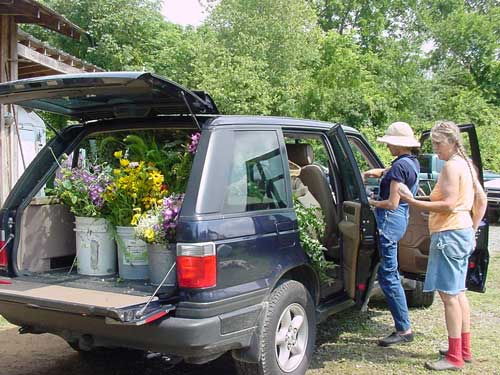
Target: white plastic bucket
{"x":161,"y":260}
{"x":132,"y":255}
{"x":95,"y":247}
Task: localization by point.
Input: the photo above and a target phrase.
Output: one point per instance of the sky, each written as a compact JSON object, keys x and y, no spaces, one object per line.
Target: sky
{"x":183,"y":12}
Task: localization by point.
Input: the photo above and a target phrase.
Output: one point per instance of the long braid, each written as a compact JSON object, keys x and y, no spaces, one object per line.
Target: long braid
{"x":463,"y":154}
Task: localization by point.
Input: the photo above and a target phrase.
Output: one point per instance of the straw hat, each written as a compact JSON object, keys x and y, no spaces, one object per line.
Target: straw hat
{"x":399,"y":134}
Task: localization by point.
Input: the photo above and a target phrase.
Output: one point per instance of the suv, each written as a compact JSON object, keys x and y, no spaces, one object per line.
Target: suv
{"x":247,"y":285}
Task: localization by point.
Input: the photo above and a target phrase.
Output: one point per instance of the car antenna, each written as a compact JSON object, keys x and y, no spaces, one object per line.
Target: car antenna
{"x":190,"y":110}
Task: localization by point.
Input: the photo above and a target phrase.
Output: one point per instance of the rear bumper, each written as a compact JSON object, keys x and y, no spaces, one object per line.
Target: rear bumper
{"x":183,"y":337}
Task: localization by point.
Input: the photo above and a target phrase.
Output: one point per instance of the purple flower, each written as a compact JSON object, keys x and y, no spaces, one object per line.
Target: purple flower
{"x":170,"y":212}
{"x":195,"y":139}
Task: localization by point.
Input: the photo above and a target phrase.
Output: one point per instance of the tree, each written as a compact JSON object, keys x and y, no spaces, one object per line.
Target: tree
{"x":466,"y":37}
{"x":277,"y":39}
{"x":119,"y":29}
{"x":370,"y":21}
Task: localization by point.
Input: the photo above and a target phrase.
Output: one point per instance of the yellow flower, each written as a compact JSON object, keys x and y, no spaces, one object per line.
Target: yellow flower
{"x":116,"y":172}
{"x":135,"y":218}
{"x":149,"y":233}
{"x":118,"y":154}
{"x":124,"y":162}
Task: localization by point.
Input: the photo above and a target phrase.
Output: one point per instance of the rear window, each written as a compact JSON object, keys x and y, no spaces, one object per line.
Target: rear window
{"x":244,"y":172}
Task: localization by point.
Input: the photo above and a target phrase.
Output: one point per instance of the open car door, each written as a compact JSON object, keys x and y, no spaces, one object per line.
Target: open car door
{"x":356,"y":221}
{"x":414,"y":246}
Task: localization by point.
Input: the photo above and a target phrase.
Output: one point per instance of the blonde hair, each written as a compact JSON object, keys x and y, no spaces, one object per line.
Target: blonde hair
{"x":448,"y":131}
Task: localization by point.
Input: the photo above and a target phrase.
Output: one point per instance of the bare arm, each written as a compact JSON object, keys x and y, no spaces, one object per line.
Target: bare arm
{"x":480,"y":204}
{"x":375,"y":172}
{"x":449,"y":182}
{"x":392,"y":202}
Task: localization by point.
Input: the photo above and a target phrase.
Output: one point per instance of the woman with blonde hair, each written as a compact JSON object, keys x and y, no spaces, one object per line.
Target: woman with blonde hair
{"x":452,"y":227}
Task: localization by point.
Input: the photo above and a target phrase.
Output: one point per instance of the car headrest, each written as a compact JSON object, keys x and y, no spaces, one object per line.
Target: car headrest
{"x":300,"y":153}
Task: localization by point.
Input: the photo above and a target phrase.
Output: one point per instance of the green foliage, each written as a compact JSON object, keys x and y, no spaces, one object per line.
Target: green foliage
{"x":170,"y":157}
{"x":261,"y":51}
{"x":311,"y":229}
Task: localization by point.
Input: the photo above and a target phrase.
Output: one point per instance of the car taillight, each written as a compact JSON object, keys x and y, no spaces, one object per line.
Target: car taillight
{"x":196,"y":265}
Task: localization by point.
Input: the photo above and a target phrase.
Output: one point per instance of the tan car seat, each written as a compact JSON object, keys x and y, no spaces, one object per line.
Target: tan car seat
{"x":316,"y":181}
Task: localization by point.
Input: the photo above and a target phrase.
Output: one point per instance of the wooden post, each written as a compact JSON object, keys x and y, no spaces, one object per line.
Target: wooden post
{"x":8,"y":71}
{"x":4,"y":148}
{"x":13,"y":132}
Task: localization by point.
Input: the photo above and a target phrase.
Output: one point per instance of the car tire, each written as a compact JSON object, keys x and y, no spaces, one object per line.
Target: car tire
{"x":418,"y":298}
{"x":287,"y":335}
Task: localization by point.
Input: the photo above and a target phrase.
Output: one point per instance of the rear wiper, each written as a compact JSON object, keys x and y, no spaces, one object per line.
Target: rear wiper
{"x":190,"y":110}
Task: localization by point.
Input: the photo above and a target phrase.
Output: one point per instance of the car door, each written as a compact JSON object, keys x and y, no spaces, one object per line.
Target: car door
{"x":356,"y":223}
{"x":414,"y":246}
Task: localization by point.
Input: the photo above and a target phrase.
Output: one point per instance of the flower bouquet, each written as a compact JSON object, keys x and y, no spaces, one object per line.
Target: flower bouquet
{"x":81,"y":189}
{"x":157,"y":227}
{"x":136,"y":187}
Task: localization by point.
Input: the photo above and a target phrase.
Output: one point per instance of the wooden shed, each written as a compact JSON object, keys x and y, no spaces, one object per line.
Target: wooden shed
{"x":23,"y":56}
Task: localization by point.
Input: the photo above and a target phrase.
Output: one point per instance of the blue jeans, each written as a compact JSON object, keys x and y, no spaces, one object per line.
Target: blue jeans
{"x":392,"y":226}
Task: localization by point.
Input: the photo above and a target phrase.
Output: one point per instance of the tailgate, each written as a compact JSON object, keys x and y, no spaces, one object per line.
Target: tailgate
{"x":117,"y":308}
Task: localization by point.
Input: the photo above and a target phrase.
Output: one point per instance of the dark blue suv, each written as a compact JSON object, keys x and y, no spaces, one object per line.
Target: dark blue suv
{"x":244,"y":283}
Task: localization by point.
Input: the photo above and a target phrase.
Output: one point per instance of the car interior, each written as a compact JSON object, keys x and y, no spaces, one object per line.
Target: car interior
{"x":309,"y":153}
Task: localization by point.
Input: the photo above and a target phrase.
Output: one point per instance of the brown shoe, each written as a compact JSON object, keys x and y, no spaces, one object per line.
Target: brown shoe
{"x":442,"y":365}
{"x":444,"y":353}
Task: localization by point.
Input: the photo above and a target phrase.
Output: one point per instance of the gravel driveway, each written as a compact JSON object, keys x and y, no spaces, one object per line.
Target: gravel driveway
{"x":47,"y":354}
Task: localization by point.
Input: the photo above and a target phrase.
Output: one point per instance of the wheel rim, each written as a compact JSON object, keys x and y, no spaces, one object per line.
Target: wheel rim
{"x":291,"y":337}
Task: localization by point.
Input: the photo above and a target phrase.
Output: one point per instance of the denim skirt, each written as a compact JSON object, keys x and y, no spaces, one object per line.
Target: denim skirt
{"x":448,"y":260}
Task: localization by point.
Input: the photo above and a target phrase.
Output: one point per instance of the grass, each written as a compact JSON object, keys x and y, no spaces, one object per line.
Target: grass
{"x":347,"y":344}
{"x":4,"y":323}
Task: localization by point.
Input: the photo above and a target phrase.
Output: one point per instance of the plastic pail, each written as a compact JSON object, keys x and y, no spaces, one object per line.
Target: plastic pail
{"x":95,"y":247}
{"x":132,"y":255}
{"x":161,"y":259}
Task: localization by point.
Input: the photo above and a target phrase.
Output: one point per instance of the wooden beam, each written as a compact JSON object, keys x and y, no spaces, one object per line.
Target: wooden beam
{"x":47,"y":61}
{"x":8,"y":11}
{"x":37,"y":71}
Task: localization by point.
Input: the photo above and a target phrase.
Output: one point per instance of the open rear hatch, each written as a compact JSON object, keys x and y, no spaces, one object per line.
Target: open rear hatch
{"x":99,"y":96}
{"x":116,"y":308}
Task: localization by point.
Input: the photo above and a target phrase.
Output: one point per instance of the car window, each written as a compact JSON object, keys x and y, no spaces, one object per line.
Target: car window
{"x":361,"y":154}
{"x":365,"y":161}
{"x":350,"y":187}
{"x":256,"y":173}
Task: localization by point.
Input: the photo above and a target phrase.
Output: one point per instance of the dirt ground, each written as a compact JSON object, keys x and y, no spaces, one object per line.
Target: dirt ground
{"x":345,"y":345}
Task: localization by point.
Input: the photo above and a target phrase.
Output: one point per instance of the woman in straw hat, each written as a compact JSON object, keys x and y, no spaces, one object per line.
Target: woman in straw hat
{"x":452,"y":227}
{"x":392,"y":220}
